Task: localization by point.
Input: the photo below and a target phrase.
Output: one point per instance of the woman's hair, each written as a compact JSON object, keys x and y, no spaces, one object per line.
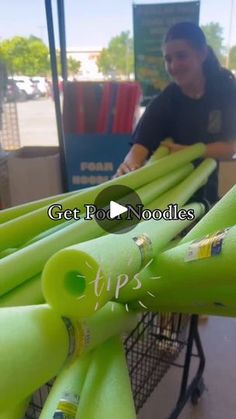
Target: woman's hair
{"x":193,"y":34}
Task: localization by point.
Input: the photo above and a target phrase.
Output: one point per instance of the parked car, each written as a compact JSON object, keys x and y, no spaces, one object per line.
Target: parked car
{"x":27,"y":88}
{"x":13,"y":92}
{"x":42,"y":85}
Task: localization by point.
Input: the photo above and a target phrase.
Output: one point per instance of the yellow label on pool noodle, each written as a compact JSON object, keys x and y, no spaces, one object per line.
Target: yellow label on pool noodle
{"x":77,"y":337}
{"x":209,"y":246}
{"x":66,"y":408}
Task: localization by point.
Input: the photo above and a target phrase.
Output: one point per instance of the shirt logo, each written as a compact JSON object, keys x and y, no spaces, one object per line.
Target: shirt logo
{"x":214,"y":121}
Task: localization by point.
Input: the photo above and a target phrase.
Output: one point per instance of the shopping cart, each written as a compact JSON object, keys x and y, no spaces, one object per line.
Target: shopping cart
{"x":154,"y":346}
{"x":9,"y":128}
{"x":151,"y":349}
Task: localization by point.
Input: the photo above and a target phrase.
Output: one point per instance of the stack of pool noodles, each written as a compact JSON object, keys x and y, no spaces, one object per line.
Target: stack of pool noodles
{"x":94,"y":282}
{"x":198,"y":275}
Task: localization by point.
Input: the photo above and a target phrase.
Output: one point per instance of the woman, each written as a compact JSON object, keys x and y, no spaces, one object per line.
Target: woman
{"x":198,"y":106}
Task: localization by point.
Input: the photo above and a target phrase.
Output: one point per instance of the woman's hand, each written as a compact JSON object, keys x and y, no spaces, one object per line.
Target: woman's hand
{"x":134,"y":160}
{"x":173,"y":147}
{"x":126,"y":167}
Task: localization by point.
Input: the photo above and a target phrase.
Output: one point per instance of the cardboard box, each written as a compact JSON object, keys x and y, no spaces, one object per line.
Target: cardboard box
{"x":28,"y":174}
{"x":227,"y":176}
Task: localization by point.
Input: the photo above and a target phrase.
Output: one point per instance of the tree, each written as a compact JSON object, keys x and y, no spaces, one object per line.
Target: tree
{"x":73,"y":66}
{"x":28,"y":56}
{"x":214,"y":36}
{"x":232,"y":58}
{"x":117,"y":59}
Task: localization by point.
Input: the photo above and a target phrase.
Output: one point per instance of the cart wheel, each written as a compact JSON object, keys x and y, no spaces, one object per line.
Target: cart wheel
{"x":197,"y":392}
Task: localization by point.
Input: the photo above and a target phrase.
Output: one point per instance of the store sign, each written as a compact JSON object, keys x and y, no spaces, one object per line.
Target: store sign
{"x":92,"y":159}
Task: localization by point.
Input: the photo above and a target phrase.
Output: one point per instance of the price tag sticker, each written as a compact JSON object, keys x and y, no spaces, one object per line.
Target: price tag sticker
{"x":210,"y":246}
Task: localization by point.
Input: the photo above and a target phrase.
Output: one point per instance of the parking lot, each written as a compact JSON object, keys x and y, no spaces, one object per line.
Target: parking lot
{"x":37,"y":122}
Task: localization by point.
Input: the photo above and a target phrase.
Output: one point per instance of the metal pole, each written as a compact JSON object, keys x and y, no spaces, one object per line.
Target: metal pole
{"x":56,"y":94}
{"x":62,"y":37}
{"x":135,"y":45}
{"x":229,"y":33}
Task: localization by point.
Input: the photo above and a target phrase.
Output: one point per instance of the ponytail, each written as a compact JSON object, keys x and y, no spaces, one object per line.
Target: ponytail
{"x":214,"y":72}
{"x":211,"y":65}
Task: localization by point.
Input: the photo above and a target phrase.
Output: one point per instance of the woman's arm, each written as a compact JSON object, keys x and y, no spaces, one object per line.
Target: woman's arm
{"x":151,"y":129}
{"x":135,"y":158}
{"x":221,"y":150}
{"x":218,"y":150}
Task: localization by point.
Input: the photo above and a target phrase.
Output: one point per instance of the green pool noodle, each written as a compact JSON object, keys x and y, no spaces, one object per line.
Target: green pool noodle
{"x":111,"y":320}
{"x":34,"y":343}
{"x":27,"y":293}
{"x":160,"y":152}
{"x":18,"y":231}
{"x":144,"y":284}
{"x":29,"y":260}
{"x":40,"y":216}
{"x":64,"y":396}
{"x":171,"y":244}
{"x":181,"y":193}
{"x":210,"y":302}
{"x":204,"y":309}
{"x":220,"y":216}
{"x":14,"y":212}
{"x":154,"y":189}
{"x":107,"y":391}
{"x":221,"y":297}
{"x":15,"y":411}
{"x":41,"y":236}
{"x":211,"y":271}
{"x":167,"y":230}
{"x":157,"y":187}
{"x":146,"y":194}
{"x":70,"y":275}
{"x":197,"y":303}
{"x":7,"y":252}
{"x":48,"y":232}
{"x":199,"y":283}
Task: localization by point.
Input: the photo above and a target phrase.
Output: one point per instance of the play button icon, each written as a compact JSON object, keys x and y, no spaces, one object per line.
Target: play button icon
{"x":116,"y":209}
{"x":114,"y":206}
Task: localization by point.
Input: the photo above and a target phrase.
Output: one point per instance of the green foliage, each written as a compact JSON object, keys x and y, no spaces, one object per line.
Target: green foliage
{"x":117,"y":58}
{"x":73,"y":66}
{"x":214,"y":35}
{"x":232,"y":58}
{"x":28,"y":56}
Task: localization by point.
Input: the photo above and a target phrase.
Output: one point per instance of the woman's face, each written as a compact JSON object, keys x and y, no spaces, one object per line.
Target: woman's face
{"x":183,"y":62}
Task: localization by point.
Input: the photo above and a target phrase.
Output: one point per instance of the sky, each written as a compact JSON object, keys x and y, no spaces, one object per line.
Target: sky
{"x":92,"y":23}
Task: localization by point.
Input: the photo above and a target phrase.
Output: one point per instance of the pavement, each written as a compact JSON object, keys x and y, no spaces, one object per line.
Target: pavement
{"x":37,"y":122}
